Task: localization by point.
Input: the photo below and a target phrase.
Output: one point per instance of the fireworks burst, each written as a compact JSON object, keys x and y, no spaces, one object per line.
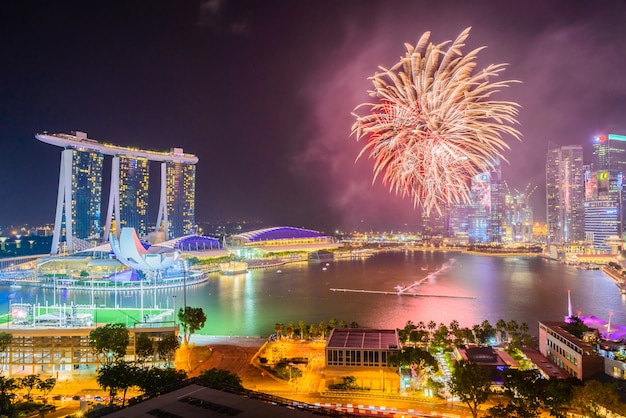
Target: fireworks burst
{"x":435,"y":125}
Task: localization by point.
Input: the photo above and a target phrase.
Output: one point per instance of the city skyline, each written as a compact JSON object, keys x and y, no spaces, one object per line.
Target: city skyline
{"x":262,"y":93}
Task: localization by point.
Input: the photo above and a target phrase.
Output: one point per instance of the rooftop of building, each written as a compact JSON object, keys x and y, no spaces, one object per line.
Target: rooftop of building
{"x":363,"y":338}
{"x":278,"y":233}
{"x":194,"y":399}
{"x":558,"y":327}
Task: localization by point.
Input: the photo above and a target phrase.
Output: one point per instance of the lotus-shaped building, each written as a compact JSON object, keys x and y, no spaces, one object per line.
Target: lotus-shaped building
{"x":129,"y":250}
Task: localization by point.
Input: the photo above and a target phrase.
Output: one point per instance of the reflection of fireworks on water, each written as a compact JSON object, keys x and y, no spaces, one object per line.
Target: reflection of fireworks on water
{"x":435,"y":125}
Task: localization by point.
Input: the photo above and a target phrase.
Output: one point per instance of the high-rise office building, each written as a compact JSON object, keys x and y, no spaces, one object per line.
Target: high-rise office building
{"x":519,"y":216}
{"x":479,"y":230}
{"x":498,"y":206}
{"x":565,"y":194}
{"x":609,"y":166}
{"x":601,"y":222}
{"x":80,"y":190}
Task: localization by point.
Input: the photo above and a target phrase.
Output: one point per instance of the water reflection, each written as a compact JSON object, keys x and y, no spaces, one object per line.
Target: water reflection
{"x":527,"y":289}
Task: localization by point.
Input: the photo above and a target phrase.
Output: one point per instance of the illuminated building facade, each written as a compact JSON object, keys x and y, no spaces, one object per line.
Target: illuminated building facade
{"x":479,"y":219}
{"x":609,"y":169}
{"x":601,"y":222}
{"x":78,"y":198}
{"x":181,"y":191}
{"x":133,"y":185}
{"x":565,"y":194}
{"x":498,"y":206}
{"x":519,"y":217}
{"x":80,"y":190}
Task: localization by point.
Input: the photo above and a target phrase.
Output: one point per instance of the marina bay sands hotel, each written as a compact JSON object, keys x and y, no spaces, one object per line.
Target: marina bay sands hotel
{"x":79,"y":200}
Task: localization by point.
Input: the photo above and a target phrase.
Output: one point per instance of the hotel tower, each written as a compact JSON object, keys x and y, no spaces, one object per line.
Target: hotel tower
{"x":79,"y":198}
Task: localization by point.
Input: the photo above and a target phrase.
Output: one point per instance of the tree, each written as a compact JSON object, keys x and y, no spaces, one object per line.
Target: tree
{"x":322,"y":327}
{"x":167,"y":347}
{"x":119,"y":376}
{"x":154,"y":378}
{"x":594,"y":396}
{"x":332,"y":323}
{"x":301,"y":327}
{"x":222,"y":377}
{"x":29,"y":383}
{"x":523,"y":388}
{"x":405,"y":333}
{"x":191,"y":319}
{"x":556,"y":395}
{"x":471,"y":384}
{"x":415,"y":359}
{"x":8,"y":385}
{"x":109,"y":342}
{"x":501,"y":329}
{"x":46,"y":386}
{"x":144,"y":347}
{"x":278,"y":329}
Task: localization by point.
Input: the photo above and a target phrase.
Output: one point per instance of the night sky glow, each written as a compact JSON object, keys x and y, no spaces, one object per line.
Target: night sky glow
{"x":262,"y":92}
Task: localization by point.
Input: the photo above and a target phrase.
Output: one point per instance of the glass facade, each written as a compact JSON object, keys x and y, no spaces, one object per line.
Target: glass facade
{"x":133,"y":189}
{"x":181,"y":192}
{"x":565,"y":194}
{"x":86,"y":193}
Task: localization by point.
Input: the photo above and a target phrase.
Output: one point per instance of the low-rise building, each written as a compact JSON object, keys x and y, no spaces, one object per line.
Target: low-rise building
{"x":570,"y":353}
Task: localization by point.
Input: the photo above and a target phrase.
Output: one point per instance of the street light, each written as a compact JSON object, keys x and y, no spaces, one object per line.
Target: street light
{"x":9,"y":311}
{"x":174,"y":299}
{"x":185,"y":285}
{"x":96,"y":299}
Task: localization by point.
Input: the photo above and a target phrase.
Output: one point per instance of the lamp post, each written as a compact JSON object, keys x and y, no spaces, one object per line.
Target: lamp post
{"x":96,"y":299}
{"x":9,"y":311}
{"x":185,"y":285}
{"x":174,"y":309}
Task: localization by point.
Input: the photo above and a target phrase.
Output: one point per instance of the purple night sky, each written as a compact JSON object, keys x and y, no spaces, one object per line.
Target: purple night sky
{"x":262,"y":92}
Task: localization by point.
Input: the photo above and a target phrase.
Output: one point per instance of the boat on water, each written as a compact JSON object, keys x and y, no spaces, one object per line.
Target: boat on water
{"x":233,"y":267}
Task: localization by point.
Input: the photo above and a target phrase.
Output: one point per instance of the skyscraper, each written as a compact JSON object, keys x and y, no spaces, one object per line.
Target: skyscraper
{"x":134,"y":175}
{"x":181,"y":192}
{"x":80,"y":190}
{"x":609,"y":164}
{"x":565,"y":194}
{"x":84,"y":199}
{"x":479,"y":230}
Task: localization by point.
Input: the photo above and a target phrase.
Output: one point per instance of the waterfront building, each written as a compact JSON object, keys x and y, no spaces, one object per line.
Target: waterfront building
{"x":498,"y":207}
{"x":565,"y":193}
{"x":180,"y":200}
{"x":570,"y":353}
{"x":254,"y":244}
{"x":609,"y":165}
{"x":132,"y":189}
{"x":458,"y":224}
{"x":78,"y":198}
{"x":601,"y":222}
{"x":519,"y":217}
{"x":478,"y":219}
{"x":80,"y":190}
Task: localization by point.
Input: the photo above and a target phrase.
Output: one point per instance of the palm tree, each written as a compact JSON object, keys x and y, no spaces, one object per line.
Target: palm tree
{"x":322,"y":328}
{"x":313,"y":330}
{"x":501,"y":327}
{"x":278,"y":328}
{"x":302,"y":327}
{"x":332,"y":324}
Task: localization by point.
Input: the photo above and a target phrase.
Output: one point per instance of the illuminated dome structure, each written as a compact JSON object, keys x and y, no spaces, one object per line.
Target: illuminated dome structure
{"x":279,"y":239}
{"x":130,"y":251}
